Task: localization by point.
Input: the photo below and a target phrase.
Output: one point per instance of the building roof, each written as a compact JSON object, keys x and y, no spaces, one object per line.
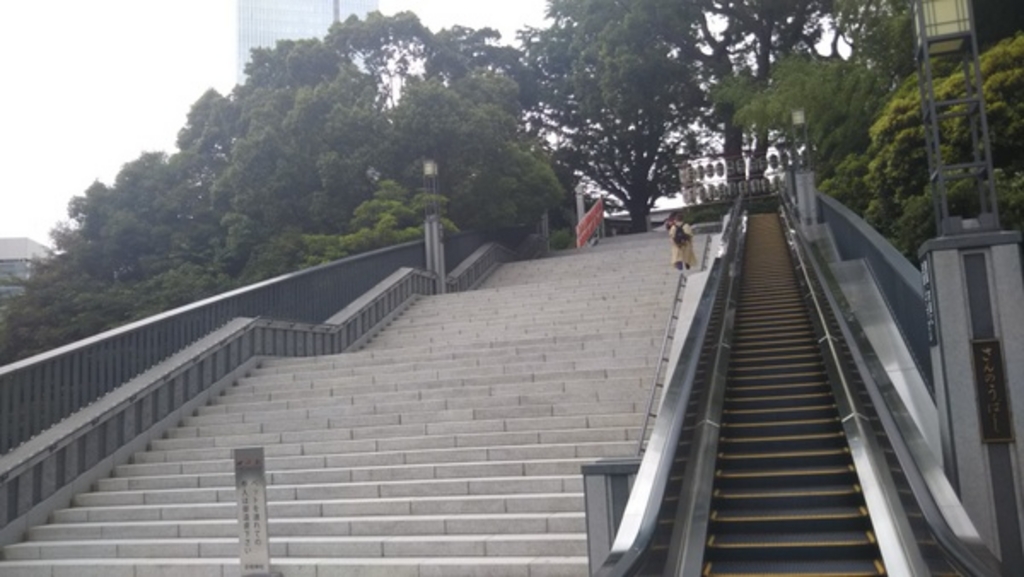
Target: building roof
{"x":21,"y":249}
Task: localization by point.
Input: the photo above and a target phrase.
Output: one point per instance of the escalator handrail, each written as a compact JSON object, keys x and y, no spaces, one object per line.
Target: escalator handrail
{"x":948,"y":522}
{"x":639,"y":520}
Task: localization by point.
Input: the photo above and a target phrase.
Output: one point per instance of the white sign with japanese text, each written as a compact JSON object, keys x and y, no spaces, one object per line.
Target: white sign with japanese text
{"x":251,"y":490}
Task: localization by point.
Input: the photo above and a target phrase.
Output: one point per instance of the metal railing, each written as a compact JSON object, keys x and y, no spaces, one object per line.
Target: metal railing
{"x":917,"y":482}
{"x":43,"y":472}
{"x":38,"y":392}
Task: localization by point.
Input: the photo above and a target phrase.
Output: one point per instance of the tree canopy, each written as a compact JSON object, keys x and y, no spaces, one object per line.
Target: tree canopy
{"x":316,"y":156}
{"x":319,"y":154}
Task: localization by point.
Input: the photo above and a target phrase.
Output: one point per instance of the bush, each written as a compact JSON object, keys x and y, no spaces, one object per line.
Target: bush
{"x":562,"y":239}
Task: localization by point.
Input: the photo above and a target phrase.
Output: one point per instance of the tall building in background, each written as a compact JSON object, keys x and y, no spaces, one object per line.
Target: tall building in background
{"x":16,"y":255}
{"x":261,"y":23}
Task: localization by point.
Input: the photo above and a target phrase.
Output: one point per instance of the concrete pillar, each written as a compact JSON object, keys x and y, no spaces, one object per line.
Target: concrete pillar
{"x":974,"y":297}
{"x":433,"y":233}
{"x":606,"y":487}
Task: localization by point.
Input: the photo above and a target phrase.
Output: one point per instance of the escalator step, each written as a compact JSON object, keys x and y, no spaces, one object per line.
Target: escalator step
{"x":789,"y":520}
{"x":781,"y":356}
{"x":778,"y":443}
{"x":757,"y":492}
{"x":795,"y":427}
{"x":769,"y":323}
{"x":836,"y":568}
{"x":777,"y":342}
{"x":769,"y":331}
{"x":757,"y":390}
{"x":807,"y":377}
{"x":745,"y":416}
{"x":791,"y":539}
{"x":784,"y":459}
{"x":778,"y":497}
{"x":755,"y":366}
{"x":777,"y":402}
{"x":793,"y":477}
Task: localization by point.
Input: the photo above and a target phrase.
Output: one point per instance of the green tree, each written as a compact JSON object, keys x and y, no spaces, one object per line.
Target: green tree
{"x":282,"y":174}
{"x":616,"y":100}
{"x":894,"y":187}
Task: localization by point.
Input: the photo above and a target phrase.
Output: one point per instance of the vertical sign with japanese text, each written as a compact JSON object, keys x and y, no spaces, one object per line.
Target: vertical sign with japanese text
{"x":929,"y":303}
{"x":251,"y":490}
{"x":993,"y":401}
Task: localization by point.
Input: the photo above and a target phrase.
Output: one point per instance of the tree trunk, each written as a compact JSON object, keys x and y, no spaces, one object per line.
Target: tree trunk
{"x":638,"y":212}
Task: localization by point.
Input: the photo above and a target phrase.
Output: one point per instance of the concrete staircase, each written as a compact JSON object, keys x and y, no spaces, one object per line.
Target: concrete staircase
{"x":450,"y":445}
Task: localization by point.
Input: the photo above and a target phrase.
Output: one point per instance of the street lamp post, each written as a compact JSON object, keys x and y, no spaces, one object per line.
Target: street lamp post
{"x":433,"y":231}
{"x":945,"y":29}
{"x":803,"y":176}
{"x":800,"y":125}
{"x":974,"y":296}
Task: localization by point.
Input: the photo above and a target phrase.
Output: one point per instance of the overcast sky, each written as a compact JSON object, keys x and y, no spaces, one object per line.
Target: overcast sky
{"x":88,"y":86}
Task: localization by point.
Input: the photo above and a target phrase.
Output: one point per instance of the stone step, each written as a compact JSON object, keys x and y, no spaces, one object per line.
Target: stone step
{"x":228,"y":566}
{"x":404,"y":433}
{"x":332,"y":491}
{"x":328,"y":526}
{"x":521,"y":397}
{"x":629,"y":423}
{"x":551,"y":305}
{"x":547,"y":544}
{"x":456,"y":327}
{"x":366,"y":392}
{"x":337,"y":378}
{"x":450,"y":445}
{"x":494,"y":355}
{"x":504,"y":441}
{"x":466,"y":468}
{"x":498,"y":329}
{"x":526,"y":344}
{"x":527,"y":299}
{"x":437,"y":419}
{"x":433,"y":412}
{"x":483,"y":407}
{"x":467,"y":504}
{"x":436,"y":422}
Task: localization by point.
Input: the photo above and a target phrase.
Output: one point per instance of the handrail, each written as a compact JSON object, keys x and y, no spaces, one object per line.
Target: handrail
{"x":668,"y":338}
{"x":662,"y":359}
{"x":924,"y":475}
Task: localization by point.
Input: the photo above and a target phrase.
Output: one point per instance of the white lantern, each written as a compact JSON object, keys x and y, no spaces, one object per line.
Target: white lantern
{"x":429,"y":168}
{"x":946,"y":25}
{"x":799,"y":118}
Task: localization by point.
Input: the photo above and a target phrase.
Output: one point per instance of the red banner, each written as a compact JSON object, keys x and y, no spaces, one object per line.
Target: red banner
{"x":585,"y":229}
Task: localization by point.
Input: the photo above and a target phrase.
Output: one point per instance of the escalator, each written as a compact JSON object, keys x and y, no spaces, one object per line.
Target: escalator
{"x":781,"y":448}
{"x":785,"y":497}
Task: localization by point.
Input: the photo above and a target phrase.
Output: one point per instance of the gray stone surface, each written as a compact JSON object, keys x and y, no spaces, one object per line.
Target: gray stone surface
{"x":450,"y":444}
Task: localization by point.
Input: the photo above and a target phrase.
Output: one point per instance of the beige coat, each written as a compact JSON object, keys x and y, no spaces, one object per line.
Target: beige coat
{"x":684,"y":253}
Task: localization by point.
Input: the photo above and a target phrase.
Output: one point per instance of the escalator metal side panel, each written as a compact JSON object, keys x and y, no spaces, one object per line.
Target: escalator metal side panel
{"x":639,"y":519}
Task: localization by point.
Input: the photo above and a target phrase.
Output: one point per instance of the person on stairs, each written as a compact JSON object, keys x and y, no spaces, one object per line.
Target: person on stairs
{"x":681,"y":235}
